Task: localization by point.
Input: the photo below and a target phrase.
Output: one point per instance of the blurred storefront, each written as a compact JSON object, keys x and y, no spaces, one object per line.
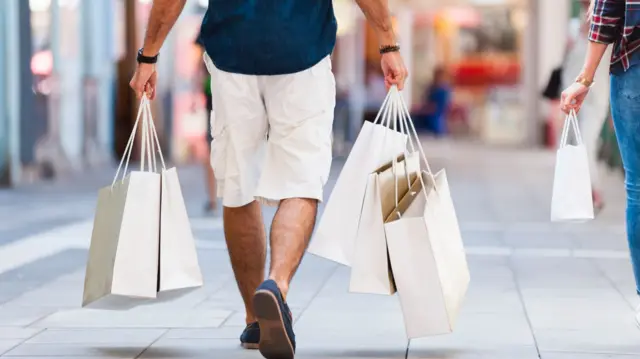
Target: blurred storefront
{"x":499,"y":54}
{"x":57,"y":87}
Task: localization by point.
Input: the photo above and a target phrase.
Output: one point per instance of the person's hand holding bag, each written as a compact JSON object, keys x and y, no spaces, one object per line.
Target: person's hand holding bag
{"x":573,"y":97}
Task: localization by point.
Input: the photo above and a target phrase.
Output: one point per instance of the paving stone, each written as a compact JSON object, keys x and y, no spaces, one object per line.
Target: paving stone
{"x":425,"y":351}
{"x":76,"y":350}
{"x":136,"y":318}
{"x":578,"y":355}
{"x":622,"y":339}
{"x":223,"y":332}
{"x":22,"y":317}
{"x":97,"y":336}
{"x":8,"y":344}
{"x":18,"y":333}
{"x":198,"y":348}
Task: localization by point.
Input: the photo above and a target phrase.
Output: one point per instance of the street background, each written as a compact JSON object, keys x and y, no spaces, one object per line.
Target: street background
{"x":538,"y":289}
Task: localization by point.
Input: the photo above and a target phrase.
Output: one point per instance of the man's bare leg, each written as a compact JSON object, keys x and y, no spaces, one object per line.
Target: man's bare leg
{"x":290,"y":234}
{"x":246,"y":241}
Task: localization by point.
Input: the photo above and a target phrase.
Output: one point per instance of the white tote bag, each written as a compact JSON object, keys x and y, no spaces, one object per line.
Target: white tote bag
{"x":370,"y":270}
{"x":571,"y":199}
{"x":426,"y":252}
{"x":122,"y":269}
{"x":335,"y":235}
{"x":179,"y":270}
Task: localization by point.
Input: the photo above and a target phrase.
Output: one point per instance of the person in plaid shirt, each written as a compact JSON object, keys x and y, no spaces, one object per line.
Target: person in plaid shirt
{"x":617,"y":23}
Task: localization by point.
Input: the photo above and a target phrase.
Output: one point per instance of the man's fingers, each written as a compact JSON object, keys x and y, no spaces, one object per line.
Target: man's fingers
{"x":137,"y":88}
{"x":401,"y":78}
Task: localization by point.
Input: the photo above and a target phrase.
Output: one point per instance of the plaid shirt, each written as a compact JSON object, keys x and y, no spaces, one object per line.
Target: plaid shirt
{"x":618,"y":22}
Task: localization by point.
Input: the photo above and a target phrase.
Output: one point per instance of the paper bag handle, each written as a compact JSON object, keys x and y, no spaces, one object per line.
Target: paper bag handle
{"x":148,"y":144}
{"x":571,"y":119}
{"x":153,"y":139}
{"x":406,"y":124}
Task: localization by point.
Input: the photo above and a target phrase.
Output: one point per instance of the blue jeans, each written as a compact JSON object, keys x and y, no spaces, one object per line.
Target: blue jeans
{"x":625,"y":108}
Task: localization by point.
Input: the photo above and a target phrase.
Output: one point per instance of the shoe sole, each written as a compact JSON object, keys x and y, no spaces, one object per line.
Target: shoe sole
{"x":274,"y":341}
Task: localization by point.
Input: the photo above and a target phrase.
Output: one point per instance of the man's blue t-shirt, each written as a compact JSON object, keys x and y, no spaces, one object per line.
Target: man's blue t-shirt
{"x":268,"y":37}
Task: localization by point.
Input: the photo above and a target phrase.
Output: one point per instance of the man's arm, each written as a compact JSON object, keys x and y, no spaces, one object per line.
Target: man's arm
{"x":379,"y":17}
{"x":164,"y":14}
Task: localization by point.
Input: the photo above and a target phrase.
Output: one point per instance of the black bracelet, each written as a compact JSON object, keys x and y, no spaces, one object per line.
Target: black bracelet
{"x":141,"y":59}
{"x":389,"y":48}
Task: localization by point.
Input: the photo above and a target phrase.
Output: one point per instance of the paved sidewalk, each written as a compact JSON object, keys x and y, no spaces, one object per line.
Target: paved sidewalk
{"x":538,"y":289}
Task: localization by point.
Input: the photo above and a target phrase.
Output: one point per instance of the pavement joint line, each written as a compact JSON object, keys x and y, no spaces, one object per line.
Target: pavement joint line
{"x":326,"y":280}
{"x":164,"y":333}
{"x":612,"y":283}
{"x":532,"y":331}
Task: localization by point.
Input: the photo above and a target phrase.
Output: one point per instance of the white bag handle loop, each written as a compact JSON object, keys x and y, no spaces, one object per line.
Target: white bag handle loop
{"x":572,"y":119}
{"x":129,"y":147}
{"x":148,"y":144}
{"x":403,"y":130}
{"x":153,"y":139}
{"x":389,"y":122}
{"x":405,"y":119}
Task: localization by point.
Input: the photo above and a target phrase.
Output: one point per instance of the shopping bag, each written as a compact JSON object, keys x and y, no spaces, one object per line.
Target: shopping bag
{"x":427,"y":258}
{"x":122,"y":269}
{"x":426,"y":252}
{"x":179,"y":270}
{"x":334,"y":238}
{"x":370,"y":270}
{"x":571,"y":199}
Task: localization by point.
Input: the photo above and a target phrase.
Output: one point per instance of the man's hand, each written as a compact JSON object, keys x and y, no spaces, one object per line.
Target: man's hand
{"x":395,"y":72}
{"x":573,"y":97}
{"x":144,"y":81}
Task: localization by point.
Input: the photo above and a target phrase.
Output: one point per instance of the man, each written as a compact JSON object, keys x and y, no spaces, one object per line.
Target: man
{"x":273,"y":109}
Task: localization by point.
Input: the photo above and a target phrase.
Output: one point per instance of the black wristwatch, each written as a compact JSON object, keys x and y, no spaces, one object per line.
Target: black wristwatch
{"x":389,"y":48}
{"x":146,"y":59}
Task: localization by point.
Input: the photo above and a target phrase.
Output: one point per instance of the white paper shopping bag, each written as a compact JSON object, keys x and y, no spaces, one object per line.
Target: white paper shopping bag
{"x":335,"y":235}
{"x":179,"y":270}
{"x":571,"y":199}
{"x":370,"y":270}
{"x":426,"y":252}
{"x":428,"y":259}
{"x":122,"y":269}
{"x":179,"y":267}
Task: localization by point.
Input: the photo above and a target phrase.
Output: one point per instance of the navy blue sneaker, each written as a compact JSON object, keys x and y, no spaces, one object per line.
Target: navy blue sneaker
{"x":277,"y":340}
{"x":250,"y":337}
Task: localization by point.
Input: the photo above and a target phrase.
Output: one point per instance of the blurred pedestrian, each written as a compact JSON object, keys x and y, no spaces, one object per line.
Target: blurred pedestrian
{"x":271,"y":66}
{"x":595,"y":108}
{"x":204,"y":83}
{"x":617,"y":22}
{"x":437,"y":99}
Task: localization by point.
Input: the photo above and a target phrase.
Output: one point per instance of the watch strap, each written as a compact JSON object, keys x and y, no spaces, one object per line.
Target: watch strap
{"x":146,"y":59}
{"x":389,"y":48}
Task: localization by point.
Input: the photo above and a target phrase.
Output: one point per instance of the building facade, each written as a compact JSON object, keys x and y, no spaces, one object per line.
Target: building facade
{"x":57,"y":69}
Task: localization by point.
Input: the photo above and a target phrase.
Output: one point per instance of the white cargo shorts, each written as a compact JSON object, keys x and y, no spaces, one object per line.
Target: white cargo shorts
{"x":271,"y":134}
